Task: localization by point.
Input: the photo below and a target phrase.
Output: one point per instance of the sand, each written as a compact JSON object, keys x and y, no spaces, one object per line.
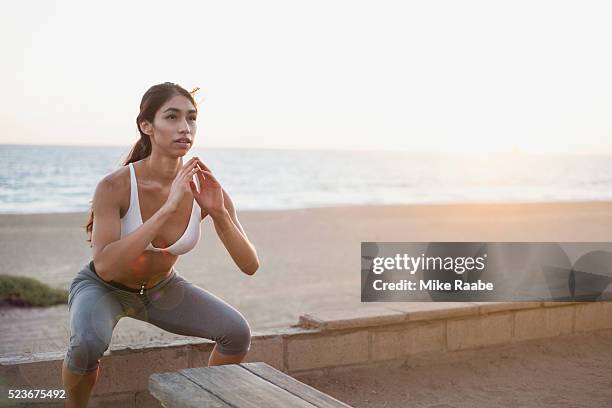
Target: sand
{"x":566,"y":372}
{"x":310,"y":258}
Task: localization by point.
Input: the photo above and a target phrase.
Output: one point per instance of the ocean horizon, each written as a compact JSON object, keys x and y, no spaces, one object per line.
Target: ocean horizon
{"x":51,"y":178}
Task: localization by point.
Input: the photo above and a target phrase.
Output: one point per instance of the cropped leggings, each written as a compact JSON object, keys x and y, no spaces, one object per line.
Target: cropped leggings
{"x":174,"y":305}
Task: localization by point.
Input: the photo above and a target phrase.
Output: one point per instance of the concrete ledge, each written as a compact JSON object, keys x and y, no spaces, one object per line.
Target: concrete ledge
{"x":419,"y":311}
{"x":386,"y":313}
{"x":492,"y":307}
{"x":370,"y":315}
{"x":369,"y":334}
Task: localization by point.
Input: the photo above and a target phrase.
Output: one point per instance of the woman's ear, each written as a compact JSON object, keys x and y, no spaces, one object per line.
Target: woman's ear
{"x":146,"y":127}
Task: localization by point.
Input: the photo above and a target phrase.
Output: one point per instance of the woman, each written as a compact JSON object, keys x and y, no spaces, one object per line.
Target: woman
{"x":143,"y":216}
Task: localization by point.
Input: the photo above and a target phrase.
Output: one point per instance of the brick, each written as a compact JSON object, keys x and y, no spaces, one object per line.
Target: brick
{"x":593,"y":316}
{"x":415,"y":338}
{"x":484,"y":330}
{"x":365,"y":316}
{"x":318,"y":351}
{"x":543,"y":322}
{"x":268,"y":350}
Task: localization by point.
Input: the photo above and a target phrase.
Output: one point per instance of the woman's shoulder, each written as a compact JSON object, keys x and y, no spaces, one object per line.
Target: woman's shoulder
{"x":119,"y":178}
{"x":115,"y":186}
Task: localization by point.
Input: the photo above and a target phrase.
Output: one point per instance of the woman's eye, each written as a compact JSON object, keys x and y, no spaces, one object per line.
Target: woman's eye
{"x":171,"y":116}
{"x":193,"y":119}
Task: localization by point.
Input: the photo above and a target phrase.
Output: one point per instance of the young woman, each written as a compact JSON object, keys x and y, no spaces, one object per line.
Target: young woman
{"x":143,"y":216}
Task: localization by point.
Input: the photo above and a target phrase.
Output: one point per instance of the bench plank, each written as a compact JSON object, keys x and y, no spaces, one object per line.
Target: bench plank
{"x":174,"y":390}
{"x":304,"y":391}
{"x":241,"y":388}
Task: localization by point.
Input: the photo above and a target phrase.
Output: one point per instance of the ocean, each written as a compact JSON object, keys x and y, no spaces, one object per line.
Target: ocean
{"x":48,"y":179}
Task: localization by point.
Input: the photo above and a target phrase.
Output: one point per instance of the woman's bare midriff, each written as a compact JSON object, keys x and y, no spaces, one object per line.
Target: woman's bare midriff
{"x":151,"y":267}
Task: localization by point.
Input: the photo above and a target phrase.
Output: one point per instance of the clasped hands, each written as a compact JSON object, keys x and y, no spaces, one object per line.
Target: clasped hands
{"x":210,"y":195}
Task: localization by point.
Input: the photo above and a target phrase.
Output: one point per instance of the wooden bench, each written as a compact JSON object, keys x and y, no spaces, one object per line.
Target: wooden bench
{"x":243,"y":385}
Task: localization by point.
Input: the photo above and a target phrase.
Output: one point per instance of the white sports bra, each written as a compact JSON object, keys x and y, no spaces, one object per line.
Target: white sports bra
{"x":133,"y":219}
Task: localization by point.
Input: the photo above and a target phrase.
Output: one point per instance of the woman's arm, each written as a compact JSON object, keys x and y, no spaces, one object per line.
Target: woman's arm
{"x":234,"y":238}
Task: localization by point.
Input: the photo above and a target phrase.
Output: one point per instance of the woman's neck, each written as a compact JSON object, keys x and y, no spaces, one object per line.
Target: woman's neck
{"x":162,"y":169}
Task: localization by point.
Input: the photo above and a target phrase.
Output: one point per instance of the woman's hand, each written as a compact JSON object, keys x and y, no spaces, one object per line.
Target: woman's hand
{"x":210,"y":196}
{"x":180,"y":184}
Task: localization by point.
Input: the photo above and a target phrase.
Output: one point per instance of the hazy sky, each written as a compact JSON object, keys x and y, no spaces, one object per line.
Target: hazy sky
{"x":421,"y":76}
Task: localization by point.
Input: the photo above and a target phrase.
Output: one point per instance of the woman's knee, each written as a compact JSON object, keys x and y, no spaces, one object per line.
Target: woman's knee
{"x":85,"y":351}
{"x":237,"y":337}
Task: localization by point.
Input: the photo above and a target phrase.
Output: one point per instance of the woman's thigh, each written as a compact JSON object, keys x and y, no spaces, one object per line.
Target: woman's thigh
{"x":94,"y":307}
{"x":94,"y":312}
{"x":183,"y":308}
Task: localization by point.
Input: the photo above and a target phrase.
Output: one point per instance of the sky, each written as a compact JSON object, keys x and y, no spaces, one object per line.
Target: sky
{"x":441,"y":76}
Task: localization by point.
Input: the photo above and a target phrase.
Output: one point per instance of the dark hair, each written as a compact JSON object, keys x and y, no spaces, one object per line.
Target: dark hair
{"x":151,"y":101}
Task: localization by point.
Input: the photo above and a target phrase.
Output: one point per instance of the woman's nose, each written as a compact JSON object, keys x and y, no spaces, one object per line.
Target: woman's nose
{"x":184,"y":127}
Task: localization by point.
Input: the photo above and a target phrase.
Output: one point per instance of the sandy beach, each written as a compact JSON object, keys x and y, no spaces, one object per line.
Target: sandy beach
{"x":310,"y":258}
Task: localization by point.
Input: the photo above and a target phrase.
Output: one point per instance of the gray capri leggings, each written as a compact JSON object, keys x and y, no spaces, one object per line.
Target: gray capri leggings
{"x":174,"y":305}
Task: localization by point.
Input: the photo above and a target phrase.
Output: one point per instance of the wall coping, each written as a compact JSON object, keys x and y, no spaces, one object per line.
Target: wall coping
{"x":380,"y":314}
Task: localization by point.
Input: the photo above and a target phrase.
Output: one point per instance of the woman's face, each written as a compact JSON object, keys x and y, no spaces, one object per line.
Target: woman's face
{"x":174,"y":126}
